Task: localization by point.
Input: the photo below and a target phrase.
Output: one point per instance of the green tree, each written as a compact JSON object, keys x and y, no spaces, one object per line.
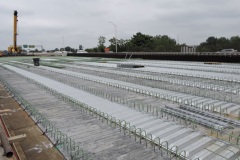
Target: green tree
{"x":67,"y":48}
{"x":164,"y":44}
{"x":222,"y":43}
{"x":101,"y":42}
{"x":121,"y":45}
{"x":141,"y":39}
{"x":140,"y":42}
{"x":209,"y":46}
{"x":235,"y":42}
{"x":95,"y":49}
{"x":213,"y":44}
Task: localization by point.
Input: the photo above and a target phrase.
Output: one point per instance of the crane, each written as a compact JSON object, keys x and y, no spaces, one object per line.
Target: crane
{"x":14,"y":49}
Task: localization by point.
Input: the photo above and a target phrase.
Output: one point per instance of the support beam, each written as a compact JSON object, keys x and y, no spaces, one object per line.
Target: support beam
{"x":17,"y":138}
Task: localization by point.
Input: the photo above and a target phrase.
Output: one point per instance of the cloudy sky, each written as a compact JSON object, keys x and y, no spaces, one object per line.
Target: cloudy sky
{"x":49,"y":22}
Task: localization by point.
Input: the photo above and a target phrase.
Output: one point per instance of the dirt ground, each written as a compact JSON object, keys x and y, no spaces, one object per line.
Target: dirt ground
{"x":35,"y":146}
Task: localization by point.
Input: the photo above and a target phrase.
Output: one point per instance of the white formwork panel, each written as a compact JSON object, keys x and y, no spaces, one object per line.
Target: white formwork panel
{"x":218,"y":106}
{"x":213,"y":148}
{"x":173,"y":136}
{"x":233,"y":108}
{"x":92,"y":100}
{"x":124,"y":113}
{"x":220,"y":103}
{"x":227,"y":105}
{"x":227,"y":153}
{"x":198,"y":145}
{"x":185,"y":141}
{"x":188,"y":66}
{"x":174,"y":81}
{"x":158,"y":127}
{"x":181,"y":95}
{"x":217,"y":157}
{"x":136,"y":121}
{"x":190,"y":72}
{"x":195,"y":98}
{"x":143,"y":121}
{"x":107,"y":80}
{"x":102,"y":104}
{"x":131,"y":119}
{"x":150,"y":124}
{"x":212,"y":101}
{"x":115,"y":110}
{"x":204,"y":100}
{"x":162,"y":133}
{"x":144,"y":88}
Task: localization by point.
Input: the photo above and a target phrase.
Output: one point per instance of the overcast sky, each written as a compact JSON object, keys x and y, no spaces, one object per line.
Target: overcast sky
{"x":48,"y":22}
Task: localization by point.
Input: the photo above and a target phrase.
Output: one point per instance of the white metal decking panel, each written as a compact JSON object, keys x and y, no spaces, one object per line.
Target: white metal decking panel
{"x":108,"y":106}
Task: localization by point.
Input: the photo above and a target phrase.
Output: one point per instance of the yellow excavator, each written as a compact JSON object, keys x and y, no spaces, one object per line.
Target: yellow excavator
{"x":14,"y":49}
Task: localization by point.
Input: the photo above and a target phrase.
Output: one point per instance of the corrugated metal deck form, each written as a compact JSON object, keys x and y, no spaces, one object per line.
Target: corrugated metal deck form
{"x":197,"y":143}
{"x":95,"y":137}
{"x":161,"y":78}
{"x":233,"y":108}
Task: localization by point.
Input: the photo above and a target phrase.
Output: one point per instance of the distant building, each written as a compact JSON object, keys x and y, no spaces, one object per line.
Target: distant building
{"x":31,"y":48}
{"x":188,"y":49}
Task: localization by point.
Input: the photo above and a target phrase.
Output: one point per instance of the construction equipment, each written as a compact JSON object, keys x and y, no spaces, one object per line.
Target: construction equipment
{"x":14,"y":49}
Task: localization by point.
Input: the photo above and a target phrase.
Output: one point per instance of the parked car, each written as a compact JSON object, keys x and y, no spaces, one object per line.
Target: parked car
{"x":228,"y":51}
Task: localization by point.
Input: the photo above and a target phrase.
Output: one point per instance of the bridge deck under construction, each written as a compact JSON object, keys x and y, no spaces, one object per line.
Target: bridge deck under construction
{"x":95,"y":108}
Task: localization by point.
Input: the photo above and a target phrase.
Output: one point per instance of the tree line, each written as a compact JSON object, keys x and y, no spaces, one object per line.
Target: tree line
{"x":147,"y":43}
{"x":214,"y":44}
{"x":162,"y":43}
{"x":138,"y":43}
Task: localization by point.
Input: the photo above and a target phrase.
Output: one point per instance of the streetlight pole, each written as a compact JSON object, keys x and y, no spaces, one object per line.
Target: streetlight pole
{"x":115,"y":33}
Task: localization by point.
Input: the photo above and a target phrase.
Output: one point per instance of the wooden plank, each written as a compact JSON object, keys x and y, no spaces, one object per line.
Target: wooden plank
{"x":5,"y":110}
{"x":17,"y":138}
